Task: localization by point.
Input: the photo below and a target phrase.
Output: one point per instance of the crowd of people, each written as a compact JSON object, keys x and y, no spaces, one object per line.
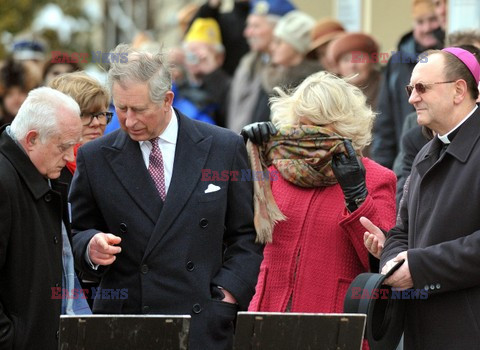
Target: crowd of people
{"x":141,"y":184}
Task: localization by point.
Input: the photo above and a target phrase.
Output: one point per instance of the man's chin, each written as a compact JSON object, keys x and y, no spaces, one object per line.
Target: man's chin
{"x":428,"y":42}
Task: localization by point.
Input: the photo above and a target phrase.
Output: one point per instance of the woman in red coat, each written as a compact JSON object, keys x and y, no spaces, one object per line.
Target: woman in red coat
{"x":322,"y":186}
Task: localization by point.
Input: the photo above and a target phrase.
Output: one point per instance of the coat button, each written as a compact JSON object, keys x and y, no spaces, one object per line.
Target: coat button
{"x":48,"y":197}
{"x":426,"y":287}
{"x":123,"y":227}
{"x":55,"y":240}
{"x":197,"y":308}
{"x":57,"y":334}
{"x":438,"y":286}
{"x":190,"y":266}
{"x":144,"y":269}
{"x":432,"y":287}
{"x":203,"y":223}
{"x":146,"y":309}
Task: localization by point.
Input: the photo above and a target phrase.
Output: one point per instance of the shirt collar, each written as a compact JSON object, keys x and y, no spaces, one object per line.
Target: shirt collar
{"x":445,"y":138}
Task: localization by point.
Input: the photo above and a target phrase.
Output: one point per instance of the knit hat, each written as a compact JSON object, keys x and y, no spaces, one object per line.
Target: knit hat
{"x":271,"y":7}
{"x":29,"y":47}
{"x":422,"y":8}
{"x":350,"y":42}
{"x":204,"y":30}
{"x":295,"y":28}
{"x":324,"y":31}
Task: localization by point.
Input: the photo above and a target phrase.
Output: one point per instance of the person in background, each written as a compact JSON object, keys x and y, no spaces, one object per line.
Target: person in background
{"x":324,"y":31}
{"x":441,"y":7}
{"x":30,"y":48}
{"x":290,"y":66}
{"x":16,"y":80}
{"x":202,"y":93}
{"x":232,"y":24}
{"x":147,"y":216}
{"x":393,"y":106}
{"x":437,"y":230}
{"x":59,"y":63}
{"x":322,"y":186}
{"x":356,"y":56}
{"x":244,"y":96}
{"x":93,"y":100}
{"x":36,"y":264}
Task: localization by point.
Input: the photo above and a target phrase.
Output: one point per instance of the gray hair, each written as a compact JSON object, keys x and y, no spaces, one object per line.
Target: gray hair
{"x":41,"y":111}
{"x":141,"y":66}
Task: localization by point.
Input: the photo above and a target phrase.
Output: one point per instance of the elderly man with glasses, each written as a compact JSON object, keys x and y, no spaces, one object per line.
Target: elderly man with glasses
{"x":438,"y":227}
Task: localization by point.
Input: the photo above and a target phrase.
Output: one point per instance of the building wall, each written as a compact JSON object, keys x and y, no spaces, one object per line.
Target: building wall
{"x":386,"y":20}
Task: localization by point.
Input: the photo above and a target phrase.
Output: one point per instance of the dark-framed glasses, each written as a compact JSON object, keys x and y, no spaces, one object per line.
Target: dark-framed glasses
{"x":423,"y":87}
{"x":103,"y":117}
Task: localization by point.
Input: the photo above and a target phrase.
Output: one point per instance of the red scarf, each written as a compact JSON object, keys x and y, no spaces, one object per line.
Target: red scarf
{"x":73,"y":165}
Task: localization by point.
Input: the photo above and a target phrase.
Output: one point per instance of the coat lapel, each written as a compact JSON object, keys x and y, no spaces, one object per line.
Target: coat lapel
{"x":190,"y":156}
{"x":431,"y":156}
{"x":126,"y":161}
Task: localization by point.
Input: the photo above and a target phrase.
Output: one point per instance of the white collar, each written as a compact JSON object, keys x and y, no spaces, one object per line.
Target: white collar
{"x":444,"y":138}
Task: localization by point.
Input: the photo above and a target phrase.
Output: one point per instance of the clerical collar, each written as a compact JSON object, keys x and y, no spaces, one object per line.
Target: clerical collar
{"x":448,"y":137}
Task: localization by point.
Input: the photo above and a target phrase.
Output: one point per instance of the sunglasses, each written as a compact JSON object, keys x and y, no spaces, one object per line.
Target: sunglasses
{"x":422,"y":87}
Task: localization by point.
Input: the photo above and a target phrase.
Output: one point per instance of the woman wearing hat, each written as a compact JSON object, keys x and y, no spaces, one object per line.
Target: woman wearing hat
{"x":288,"y":51}
{"x":308,"y":210}
{"x":356,"y":56}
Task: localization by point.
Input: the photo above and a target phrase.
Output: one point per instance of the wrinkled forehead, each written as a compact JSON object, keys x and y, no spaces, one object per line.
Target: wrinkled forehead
{"x":430,"y":69}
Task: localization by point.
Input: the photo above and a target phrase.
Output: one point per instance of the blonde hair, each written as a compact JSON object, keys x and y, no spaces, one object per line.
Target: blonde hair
{"x":87,"y":91}
{"x":324,"y":99}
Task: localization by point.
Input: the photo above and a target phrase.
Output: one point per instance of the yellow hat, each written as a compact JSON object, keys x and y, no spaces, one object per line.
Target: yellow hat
{"x":204,"y":30}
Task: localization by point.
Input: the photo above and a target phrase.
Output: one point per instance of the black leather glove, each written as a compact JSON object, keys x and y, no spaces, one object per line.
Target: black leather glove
{"x":350,"y":174}
{"x":258,"y":133}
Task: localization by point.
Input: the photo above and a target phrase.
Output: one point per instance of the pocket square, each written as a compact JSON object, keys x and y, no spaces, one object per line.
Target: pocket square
{"x":212,"y":188}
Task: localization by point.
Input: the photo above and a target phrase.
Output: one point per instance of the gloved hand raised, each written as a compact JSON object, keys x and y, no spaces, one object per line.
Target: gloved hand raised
{"x":350,"y":174}
{"x":258,"y":133}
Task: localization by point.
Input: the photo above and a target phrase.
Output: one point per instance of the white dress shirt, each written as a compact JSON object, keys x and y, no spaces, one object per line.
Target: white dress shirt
{"x":167,"y":143}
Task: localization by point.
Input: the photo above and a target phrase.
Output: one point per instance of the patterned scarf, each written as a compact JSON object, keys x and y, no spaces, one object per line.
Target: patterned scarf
{"x":302,"y":155}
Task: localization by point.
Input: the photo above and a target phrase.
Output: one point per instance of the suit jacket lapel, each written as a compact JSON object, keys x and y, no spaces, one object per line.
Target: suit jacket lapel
{"x":126,"y":161}
{"x":190,"y":156}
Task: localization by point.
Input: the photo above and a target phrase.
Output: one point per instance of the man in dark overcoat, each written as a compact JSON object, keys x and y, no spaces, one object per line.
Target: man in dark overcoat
{"x":438,"y":227}
{"x":160,"y":209}
{"x":33,"y":206}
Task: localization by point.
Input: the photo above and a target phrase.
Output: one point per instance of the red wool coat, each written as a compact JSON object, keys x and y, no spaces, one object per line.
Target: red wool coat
{"x":319,"y":250}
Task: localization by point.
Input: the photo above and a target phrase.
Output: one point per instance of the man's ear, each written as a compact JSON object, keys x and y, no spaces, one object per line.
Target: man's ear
{"x":31,"y":139}
{"x":461,"y":91}
{"x":168,"y":99}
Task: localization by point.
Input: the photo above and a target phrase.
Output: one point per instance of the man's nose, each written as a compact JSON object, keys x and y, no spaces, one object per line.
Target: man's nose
{"x":69,"y":155}
{"x":414,"y":97}
{"x":130,"y":118}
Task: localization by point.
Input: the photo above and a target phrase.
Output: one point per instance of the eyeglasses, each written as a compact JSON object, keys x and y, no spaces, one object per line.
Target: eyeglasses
{"x":103,"y":118}
{"x":422,"y":87}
